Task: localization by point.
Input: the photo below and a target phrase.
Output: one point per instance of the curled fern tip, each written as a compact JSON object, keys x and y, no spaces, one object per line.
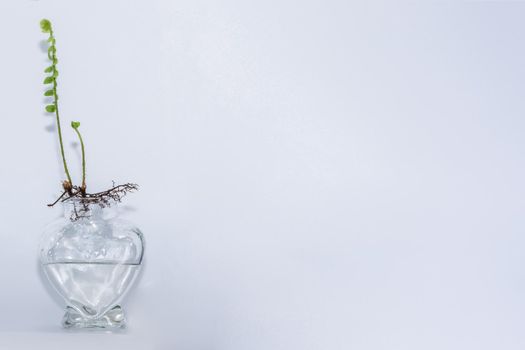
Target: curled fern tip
{"x":45,"y":25}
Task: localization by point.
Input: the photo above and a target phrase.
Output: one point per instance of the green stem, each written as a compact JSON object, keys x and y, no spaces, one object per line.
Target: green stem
{"x":83,"y":160}
{"x":60,"y":136}
{"x":66,"y":170}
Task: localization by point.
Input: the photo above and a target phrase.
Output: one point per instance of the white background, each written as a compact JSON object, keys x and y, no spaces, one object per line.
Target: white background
{"x":314,"y":174}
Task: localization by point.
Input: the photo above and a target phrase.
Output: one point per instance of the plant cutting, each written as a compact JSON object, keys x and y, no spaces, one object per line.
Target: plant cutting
{"x":90,"y":257}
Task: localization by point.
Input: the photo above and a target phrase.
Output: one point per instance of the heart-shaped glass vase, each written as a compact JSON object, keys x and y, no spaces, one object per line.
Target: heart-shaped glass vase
{"x":91,"y":258}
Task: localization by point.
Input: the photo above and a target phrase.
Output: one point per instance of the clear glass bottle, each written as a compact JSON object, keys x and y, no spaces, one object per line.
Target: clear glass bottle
{"x":92,"y":258}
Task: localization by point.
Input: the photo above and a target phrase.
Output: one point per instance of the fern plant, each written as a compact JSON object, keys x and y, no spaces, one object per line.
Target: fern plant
{"x":104,"y":198}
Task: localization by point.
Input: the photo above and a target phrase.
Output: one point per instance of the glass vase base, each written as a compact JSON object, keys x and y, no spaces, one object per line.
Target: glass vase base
{"x":112,"y":319}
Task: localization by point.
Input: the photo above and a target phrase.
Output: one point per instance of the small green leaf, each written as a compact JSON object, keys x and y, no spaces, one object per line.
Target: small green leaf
{"x":50,"y":108}
{"x":55,"y":60}
{"x":75,"y":125}
{"x":49,"y":69}
{"x":45,"y":25}
{"x":51,"y":40}
{"x":49,"y":80}
{"x":50,"y":52}
{"x":49,"y":93}
{"x":55,"y":74}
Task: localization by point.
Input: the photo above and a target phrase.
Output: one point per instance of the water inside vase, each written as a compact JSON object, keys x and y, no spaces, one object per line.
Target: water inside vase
{"x":91,"y":288}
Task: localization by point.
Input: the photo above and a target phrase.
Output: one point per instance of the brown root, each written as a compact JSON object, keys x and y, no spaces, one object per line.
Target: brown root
{"x":84,"y":200}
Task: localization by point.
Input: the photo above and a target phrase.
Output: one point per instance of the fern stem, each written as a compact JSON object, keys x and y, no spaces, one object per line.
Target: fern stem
{"x":83,"y":160}
{"x":55,"y":102}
